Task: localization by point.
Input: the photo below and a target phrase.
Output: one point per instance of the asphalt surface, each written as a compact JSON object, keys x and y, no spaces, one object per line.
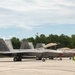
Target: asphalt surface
{"x":37,"y":67}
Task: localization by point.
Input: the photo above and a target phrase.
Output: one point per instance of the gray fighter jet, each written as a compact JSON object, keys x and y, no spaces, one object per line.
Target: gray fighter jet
{"x":6,"y":49}
{"x":59,"y":53}
{"x":41,"y":46}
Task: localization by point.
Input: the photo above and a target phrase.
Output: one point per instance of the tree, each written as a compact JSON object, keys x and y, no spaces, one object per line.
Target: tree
{"x":64,"y":40}
{"x":53,"y":38}
{"x":37,"y":40}
{"x":15,"y":42}
{"x":42,"y":38}
{"x":73,"y":41}
{"x":24,"y":39}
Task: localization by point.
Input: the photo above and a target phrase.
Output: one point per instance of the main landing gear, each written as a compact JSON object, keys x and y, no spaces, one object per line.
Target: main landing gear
{"x":60,"y":58}
{"x":17,"y":58}
{"x":43,"y":59}
{"x":39,"y":58}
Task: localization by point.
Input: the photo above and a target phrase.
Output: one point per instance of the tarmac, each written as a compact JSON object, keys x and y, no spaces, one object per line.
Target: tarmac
{"x":37,"y":67}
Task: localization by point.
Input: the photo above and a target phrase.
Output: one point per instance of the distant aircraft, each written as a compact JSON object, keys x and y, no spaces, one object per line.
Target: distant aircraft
{"x":67,"y":52}
{"x":59,"y":53}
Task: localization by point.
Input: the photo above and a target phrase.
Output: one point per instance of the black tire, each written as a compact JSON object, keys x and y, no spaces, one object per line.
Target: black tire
{"x":38,"y":58}
{"x":60,"y":58}
{"x":43,"y":59}
{"x":51,"y":58}
{"x":17,"y":59}
{"x":70,"y":58}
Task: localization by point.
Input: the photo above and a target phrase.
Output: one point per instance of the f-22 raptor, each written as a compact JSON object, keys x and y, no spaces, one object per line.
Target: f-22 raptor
{"x":6,"y":49}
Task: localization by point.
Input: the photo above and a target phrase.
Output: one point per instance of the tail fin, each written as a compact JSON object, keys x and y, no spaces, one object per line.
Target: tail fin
{"x":9,"y":44}
{"x":27,"y":45}
{"x":3,"y":46}
{"x":39,"y":45}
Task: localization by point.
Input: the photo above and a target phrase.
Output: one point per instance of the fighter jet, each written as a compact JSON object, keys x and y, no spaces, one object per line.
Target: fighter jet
{"x":41,"y":46}
{"x":6,"y":49}
{"x":59,"y":53}
{"x":67,"y":52}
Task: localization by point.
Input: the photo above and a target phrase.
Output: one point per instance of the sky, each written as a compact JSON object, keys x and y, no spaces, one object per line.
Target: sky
{"x":24,"y":18}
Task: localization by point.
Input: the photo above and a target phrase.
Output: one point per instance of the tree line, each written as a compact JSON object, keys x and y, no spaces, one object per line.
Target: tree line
{"x":62,"y":40}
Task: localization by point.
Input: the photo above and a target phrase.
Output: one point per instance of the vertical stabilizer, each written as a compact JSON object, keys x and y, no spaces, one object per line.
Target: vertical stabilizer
{"x":9,"y":44}
{"x":3,"y":46}
{"x":27,"y":45}
{"x":39,"y":45}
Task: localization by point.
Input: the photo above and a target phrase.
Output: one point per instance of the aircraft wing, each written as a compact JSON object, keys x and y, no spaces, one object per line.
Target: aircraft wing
{"x":21,"y":51}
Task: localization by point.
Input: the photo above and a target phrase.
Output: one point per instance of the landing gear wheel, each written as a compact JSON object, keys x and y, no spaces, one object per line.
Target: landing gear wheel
{"x":60,"y":58}
{"x":38,"y":58}
{"x":70,"y":58}
{"x":43,"y":59}
{"x":17,"y":59}
{"x":51,"y":58}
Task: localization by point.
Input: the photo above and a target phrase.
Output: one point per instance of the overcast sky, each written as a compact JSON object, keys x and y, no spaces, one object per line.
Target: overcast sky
{"x":23,"y":18}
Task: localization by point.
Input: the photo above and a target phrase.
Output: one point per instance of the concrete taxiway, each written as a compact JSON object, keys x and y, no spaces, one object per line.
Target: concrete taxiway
{"x":37,"y":67}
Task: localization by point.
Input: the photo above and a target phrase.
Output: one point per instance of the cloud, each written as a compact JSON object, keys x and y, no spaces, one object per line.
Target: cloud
{"x":9,"y":37}
{"x":28,"y":14}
